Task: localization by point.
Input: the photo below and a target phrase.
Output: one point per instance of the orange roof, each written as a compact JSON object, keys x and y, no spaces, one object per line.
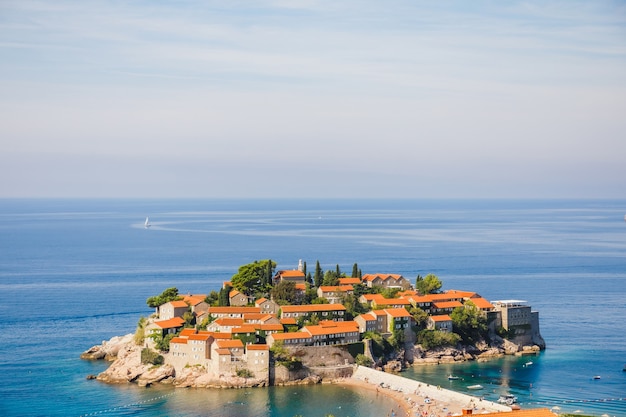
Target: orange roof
{"x":258,"y":347}
{"x":349,"y":281}
{"x":180,"y":340}
{"x":407,"y":293}
{"x":384,"y":277}
{"x":194,"y":299}
{"x":171,"y":323}
{"x":271,"y":327}
{"x":233,"y":310}
{"x":312,"y":308}
{"x":530,"y":412}
{"x":462,"y":294}
{"x":441,"y":317}
{"x":368,"y":316}
{"x":222,"y":351}
{"x":187,"y":332}
{"x":481,"y":303}
{"x":203,"y":337}
{"x":256,"y":316}
{"x":226,"y":321}
{"x":227,"y":344}
{"x":291,"y":335}
{"x":179,"y":304}
{"x":261,"y":300}
{"x":417,"y":299}
{"x":291,"y":273}
{"x":288,"y":320}
{"x":371,"y":297}
{"x":216,"y":335}
{"x":243,"y":329}
{"x":326,"y":330}
{"x":392,"y":301}
{"x":341,"y":288}
{"x":397,"y":312}
{"x":448,"y":304}
{"x":233,"y":293}
{"x":301,"y":286}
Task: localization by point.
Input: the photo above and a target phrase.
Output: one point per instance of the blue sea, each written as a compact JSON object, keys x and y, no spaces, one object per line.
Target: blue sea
{"x":76,"y":272}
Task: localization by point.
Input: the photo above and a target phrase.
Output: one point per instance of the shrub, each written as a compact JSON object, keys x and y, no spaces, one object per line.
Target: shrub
{"x":363,"y":360}
{"x":149,"y":356}
{"x":244,"y":373}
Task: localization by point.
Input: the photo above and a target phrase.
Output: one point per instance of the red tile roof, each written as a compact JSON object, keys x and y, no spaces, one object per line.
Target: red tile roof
{"x":481,"y":303}
{"x":448,"y":304}
{"x":291,"y":335}
{"x":291,"y":273}
{"x":179,"y":304}
{"x":312,"y":308}
{"x":258,"y":347}
{"x":397,"y":312}
{"x":384,"y":277}
{"x":440,"y":318}
{"x":349,"y":281}
{"x":171,"y":323}
{"x":233,"y":310}
{"x":227,"y":344}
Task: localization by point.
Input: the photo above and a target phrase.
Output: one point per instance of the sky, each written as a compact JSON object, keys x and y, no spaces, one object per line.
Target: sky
{"x":313,"y":99}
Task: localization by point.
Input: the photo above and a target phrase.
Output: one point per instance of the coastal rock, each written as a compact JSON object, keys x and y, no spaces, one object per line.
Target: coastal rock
{"x":155,"y":374}
{"x":127,"y":367}
{"x":108,"y":349}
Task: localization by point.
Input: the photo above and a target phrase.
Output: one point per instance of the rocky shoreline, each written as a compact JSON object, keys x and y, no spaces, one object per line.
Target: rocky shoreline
{"x":126,"y":366}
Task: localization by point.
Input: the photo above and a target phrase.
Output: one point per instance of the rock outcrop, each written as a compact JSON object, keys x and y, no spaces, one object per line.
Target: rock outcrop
{"x":109,"y":349}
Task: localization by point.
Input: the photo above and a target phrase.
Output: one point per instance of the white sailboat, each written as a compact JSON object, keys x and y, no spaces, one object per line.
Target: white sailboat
{"x":147,"y":223}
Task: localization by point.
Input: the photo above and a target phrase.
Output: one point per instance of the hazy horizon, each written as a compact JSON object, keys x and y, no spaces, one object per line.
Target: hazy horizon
{"x":313,"y":99}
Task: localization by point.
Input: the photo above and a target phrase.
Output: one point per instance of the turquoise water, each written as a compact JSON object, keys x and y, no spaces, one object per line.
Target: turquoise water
{"x":76,"y":272}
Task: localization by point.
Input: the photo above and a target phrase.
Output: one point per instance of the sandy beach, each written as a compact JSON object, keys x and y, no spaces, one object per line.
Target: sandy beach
{"x":414,"y":399}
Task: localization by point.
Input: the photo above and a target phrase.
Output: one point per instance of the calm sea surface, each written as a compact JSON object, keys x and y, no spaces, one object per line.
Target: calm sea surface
{"x":76,"y":272}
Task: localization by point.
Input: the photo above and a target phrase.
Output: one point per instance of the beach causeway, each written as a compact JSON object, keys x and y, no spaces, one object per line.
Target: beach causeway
{"x":416,"y":398}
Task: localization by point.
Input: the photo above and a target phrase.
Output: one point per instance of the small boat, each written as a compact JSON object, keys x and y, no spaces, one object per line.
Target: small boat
{"x":477,"y":386}
{"x":453,"y":377}
{"x":529,"y":363}
{"x":508,"y":399}
{"x":596,"y":377}
{"x":147,"y":223}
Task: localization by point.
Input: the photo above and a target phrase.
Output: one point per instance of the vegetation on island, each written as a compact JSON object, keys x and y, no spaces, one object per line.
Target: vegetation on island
{"x":255,"y":279}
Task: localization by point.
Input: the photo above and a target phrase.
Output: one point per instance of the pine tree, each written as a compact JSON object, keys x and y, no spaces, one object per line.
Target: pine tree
{"x":355,"y":270}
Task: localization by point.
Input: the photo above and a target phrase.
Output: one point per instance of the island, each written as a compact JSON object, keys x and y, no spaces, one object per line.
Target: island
{"x":279,"y":327}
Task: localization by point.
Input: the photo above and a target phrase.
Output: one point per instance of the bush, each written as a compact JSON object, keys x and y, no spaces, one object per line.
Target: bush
{"x":431,"y":339}
{"x":149,"y":356}
{"x":244,"y":373}
{"x":363,"y":360}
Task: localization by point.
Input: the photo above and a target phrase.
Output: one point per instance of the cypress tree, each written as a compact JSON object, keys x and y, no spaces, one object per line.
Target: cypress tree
{"x":355,"y":270}
{"x":317,"y":280}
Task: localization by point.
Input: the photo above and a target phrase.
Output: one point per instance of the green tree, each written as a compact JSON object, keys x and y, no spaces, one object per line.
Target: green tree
{"x":430,"y":284}
{"x":213,"y":298}
{"x":250,"y":277}
{"x":269,"y":274}
{"x":330,"y":278}
{"x":355,"y":270}
{"x":284,"y":292}
{"x":304,"y":269}
{"x":224,"y":296}
{"x":431,"y":339}
{"x":420,"y":317}
{"x":469,"y":323}
{"x":353,"y":306}
{"x":170,"y":294}
{"x":317,"y":278}
{"x":390,"y":292}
